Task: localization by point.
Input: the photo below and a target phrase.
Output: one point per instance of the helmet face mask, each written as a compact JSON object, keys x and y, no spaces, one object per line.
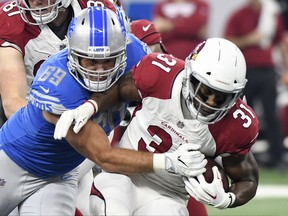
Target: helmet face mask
{"x":96,"y":35}
{"x":215,"y":79}
{"x":43,"y":14}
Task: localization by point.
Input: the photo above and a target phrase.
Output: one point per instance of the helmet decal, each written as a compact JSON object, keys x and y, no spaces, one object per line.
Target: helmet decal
{"x":216,"y":66}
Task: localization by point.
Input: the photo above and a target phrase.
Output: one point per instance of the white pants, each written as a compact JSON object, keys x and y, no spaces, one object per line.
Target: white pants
{"x":122,"y":196}
{"x":84,"y":187}
{"x":35,"y":196}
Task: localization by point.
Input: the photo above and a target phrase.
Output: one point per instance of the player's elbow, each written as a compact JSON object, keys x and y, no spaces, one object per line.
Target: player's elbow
{"x":107,"y":159}
{"x":12,"y":105}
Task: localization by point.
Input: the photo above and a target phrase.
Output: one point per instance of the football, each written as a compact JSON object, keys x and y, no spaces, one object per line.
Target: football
{"x":208,"y":175}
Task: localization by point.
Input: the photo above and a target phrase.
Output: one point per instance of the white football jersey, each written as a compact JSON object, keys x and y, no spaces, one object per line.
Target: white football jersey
{"x":36,"y":43}
{"x":158,"y":124}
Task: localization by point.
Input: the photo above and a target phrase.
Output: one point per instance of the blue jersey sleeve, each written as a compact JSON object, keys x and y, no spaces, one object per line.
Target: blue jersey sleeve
{"x":135,"y":50}
{"x":54,"y":89}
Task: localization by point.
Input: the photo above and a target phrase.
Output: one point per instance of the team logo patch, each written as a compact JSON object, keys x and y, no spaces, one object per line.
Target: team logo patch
{"x":180,"y":124}
{"x":2,"y":182}
{"x":71,"y":27}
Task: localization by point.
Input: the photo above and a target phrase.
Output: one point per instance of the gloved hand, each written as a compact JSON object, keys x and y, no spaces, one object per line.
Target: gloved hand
{"x":79,"y":116}
{"x":210,"y":193}
{"x":187,"y":160}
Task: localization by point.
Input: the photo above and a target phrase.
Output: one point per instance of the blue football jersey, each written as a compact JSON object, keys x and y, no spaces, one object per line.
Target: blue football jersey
{"x":135,"y":50}
{"x":27,"y":138}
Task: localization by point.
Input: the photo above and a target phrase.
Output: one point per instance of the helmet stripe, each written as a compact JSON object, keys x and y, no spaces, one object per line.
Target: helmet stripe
{"x":105,"y":42}
{"x":96,"y":23}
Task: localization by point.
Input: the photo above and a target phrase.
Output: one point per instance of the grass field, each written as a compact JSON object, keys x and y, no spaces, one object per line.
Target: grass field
{"x":267,"y":203}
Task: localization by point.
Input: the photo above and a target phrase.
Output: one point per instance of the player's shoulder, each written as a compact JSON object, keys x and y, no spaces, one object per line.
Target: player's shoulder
{"x":82,"y":3}
{"x":11,"y":21}
{"x":241,"y":118}
{"x":135,"y":50}
{"x":202,"y":3}
{"x":244,"y":115}
{"x":54,"y":83}
{"x":156,"y":73}
{"x":238,"y":130}
{"x":133,"y":41}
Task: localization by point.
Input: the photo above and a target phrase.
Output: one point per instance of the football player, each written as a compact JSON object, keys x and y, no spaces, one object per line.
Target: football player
{"x":40,"y":174}
{"x":30,"y":32}
{"x":145,"y":30}
{"x":196,"y":101}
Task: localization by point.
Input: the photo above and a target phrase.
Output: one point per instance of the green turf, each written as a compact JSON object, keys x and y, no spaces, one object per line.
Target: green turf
{"x":273,"y":177}
{"x":260,"y":207}
{"x":256,"y":207}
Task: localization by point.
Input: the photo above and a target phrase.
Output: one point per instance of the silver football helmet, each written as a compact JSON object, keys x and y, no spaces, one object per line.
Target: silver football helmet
{"x":216,"y":66}
{"x":96,"y":34}
{"x":43,"y":14}
{"x":124,"y":19}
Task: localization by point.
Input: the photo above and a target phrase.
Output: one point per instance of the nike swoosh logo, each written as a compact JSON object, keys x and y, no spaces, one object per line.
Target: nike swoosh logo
{"x":145,"y":28}
{"x":179,"y":159}
{"x":213,"y":197}
{"x":46,"y":91}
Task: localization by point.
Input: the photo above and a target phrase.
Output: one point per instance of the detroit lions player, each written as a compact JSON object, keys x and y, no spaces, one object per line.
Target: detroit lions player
{"x":30,"y":32}
{"x":40,"y":174}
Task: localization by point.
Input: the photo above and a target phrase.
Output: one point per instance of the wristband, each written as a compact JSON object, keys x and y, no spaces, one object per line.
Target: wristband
{"x":232,"y":199}
{"x":158,"y":162}
{"x":94,"y":104}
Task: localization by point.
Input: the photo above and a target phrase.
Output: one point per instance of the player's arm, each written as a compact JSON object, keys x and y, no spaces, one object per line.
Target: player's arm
{"x":242,"y":170}
{"x":93,"y":143}
{"x":13,"y":82}
{"x":244,"y":174}
{"x":123,"y":90}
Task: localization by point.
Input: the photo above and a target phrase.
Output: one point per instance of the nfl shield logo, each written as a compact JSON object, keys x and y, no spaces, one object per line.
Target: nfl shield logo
{"x":2,"y":182}
{"x":180,"y":124}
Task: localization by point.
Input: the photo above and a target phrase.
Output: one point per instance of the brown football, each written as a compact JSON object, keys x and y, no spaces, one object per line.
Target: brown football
{"x":209,"y":174}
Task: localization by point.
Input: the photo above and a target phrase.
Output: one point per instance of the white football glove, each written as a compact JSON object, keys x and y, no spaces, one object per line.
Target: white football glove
{"x":187,"y":160}
{"x":210,"y":193}
{"x":78,"y":116}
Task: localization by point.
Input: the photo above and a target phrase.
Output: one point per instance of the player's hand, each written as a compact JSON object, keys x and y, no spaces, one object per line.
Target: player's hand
{"x":187,"y":160}
{"x":78,"y":116}
{"x":209,"y":193}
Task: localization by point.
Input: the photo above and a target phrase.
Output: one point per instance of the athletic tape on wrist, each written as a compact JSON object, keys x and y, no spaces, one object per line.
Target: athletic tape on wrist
{"x":94,"y":104}
{"x":158,"y":162}
{"x":232,"y":199}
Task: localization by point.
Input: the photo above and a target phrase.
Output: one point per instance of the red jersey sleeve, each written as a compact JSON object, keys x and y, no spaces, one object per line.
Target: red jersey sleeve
{"x":237,"y":131}
{"x":155,"y":74}
{"x":13,"y":30}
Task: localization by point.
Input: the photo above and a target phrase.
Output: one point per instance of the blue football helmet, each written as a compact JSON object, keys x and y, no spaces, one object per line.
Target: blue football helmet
{"x":96,"y":34}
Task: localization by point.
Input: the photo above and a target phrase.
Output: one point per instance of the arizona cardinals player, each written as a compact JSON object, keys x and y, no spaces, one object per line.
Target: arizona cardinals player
{"x":145,"y":30}
{"x":38,"y":173}
{"x":30,"y":32}
{"x":198,"y":102}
